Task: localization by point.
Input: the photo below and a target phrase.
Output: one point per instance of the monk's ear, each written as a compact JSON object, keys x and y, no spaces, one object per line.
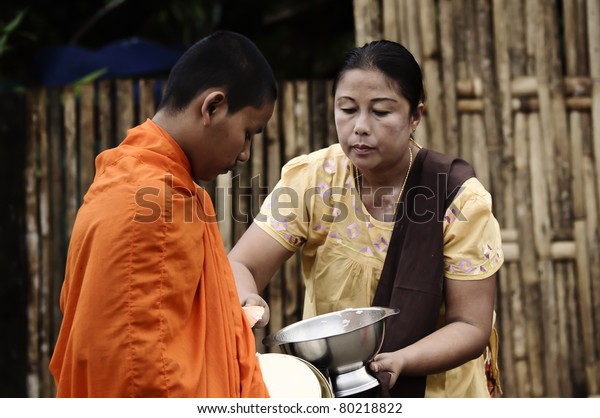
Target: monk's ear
{"x":212,"y":104}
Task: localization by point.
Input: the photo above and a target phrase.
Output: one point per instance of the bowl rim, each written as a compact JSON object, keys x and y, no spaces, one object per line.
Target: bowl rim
{"x":272,"y":340}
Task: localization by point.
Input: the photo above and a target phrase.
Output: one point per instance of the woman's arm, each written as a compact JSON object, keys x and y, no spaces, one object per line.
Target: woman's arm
{"x":469,"y":316}
{"x":255,"y":259}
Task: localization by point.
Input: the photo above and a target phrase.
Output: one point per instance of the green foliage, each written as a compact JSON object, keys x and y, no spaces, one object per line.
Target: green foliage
{"x":7,"y":30}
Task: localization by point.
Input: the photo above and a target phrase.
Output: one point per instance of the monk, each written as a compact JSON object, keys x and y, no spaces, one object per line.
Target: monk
{"x":149,"y":300}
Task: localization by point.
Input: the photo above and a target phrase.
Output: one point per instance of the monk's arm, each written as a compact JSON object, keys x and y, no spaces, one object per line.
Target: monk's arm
{"x":255,"y":259}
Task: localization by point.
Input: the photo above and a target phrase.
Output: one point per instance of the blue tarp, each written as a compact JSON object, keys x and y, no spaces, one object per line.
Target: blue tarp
{"x":59,"y":65}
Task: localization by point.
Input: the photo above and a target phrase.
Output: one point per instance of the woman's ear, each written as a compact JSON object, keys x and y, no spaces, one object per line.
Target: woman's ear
{"x":416,"y":117}
{"x":213,"y":102}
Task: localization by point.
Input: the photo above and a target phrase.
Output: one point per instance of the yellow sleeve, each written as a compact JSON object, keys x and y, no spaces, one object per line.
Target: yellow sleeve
{"x":284,"y":214}
{"x":472,"y":242}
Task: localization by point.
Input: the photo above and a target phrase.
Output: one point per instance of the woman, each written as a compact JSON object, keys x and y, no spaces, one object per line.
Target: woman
{"x":382,"y":221}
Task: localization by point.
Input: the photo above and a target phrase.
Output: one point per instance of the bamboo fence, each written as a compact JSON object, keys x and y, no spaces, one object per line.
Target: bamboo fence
{"x":513,"y":87}
{"x":506,"y":90}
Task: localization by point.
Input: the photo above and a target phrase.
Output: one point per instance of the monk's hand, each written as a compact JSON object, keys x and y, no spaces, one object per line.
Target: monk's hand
{"x":253,"y":301}
{"x":387,"y":363}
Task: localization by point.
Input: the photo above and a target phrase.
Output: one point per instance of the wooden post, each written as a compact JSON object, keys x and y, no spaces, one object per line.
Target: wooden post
{"x":33,"y":242}
{"x":71,"y":189}
{"x":431,"y":75}
{"x":57,"y":210}
{"x":367,"y":21}
{"x":448,"y":76}
{"x":105,"y":125}
{"x":124,"y":108}
{"x":87,"y":146}
{"x":147,"y":103}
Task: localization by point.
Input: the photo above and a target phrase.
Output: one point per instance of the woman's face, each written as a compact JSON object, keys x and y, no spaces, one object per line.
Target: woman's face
{"x":373,"y":120}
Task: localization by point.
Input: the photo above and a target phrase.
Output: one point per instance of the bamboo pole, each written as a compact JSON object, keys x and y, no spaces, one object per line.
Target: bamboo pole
{"x":147,"y":102}
{"x":559,"y":117}
{"x":581,"y":34}
{"x":124,"y":108}
{"x":224,"y":203}
{"x":577,"y":186}
{"x":57,"y":231}
{"x":561,"y":278}
{"x":448,"y":76}
{"x":585,"y":308}
{"x":33,"y":243}
{"x":516,"y":37}
{"x":593,"y":244}
{"x":516,"y":315}
{"x":390,"y":20}
{"x":87,"y":151}
{"x":296,"y":143}
{"x":523,"y":104}
{"x":413,"y":41}
{"x":104,"y":115}
{"x":330,"y":109}
{"x":71,"y":192}
{"x":531,"y":383}
{"x":532,"y":39}
{"x":506,"y":215}
{"x":403,"y":23}
{"x":542,"y":236}
{"x":431,"y":75}
{"x":288,"y":120}
{"x":576,"y":362}
{"x":288,"y":274}
{"x":504,"y":324}
{"x":593,"y":25}
{"x":318,"y":114}
{"x":572,"y":85}
{"x":367,"y":21}
{"x":273,"y":149}
{"x":265,"y":174}
{"x":546,"y":109}
{"x":559,"y":250}
{"x":241,"y":196}
{"x":570,"y":28}
{"x":258,"y":185}
{"x":258,"y":173}
{"x":45,"y":319}
{"x":302,"y":119}
{"x":491,"y":109}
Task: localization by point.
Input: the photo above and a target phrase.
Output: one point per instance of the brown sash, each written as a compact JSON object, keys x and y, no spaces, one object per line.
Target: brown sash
{"x":413,"y":272}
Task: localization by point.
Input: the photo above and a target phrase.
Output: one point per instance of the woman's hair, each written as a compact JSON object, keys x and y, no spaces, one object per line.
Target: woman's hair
{"x":393,"y":60}
{"x":227,"y":60}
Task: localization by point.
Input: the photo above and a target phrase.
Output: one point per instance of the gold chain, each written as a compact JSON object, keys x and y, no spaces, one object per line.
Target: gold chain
{"x":410,"y":162}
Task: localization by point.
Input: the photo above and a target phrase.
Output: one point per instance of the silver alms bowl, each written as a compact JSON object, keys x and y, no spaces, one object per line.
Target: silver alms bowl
{"x":339,"y":342}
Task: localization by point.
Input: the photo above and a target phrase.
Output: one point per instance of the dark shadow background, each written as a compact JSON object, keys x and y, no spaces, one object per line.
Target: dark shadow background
{"x":301,"y":39}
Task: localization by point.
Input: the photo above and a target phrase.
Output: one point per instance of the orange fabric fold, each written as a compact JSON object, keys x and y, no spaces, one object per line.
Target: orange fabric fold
{"x":149,"y":300}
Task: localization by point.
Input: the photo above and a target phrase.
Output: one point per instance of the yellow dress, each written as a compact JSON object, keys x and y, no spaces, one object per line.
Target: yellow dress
{"x":315,"y":207}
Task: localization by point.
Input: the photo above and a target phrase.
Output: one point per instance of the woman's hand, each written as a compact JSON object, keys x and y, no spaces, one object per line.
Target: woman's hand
{"x":390,"y":363}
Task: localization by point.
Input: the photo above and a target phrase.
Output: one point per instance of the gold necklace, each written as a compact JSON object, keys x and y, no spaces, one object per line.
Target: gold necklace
{"x":410,"y":162}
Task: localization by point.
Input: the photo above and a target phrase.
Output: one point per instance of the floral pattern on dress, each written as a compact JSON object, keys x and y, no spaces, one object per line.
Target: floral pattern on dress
{"x":329,"y":167}
{"x":467,"y":267}
{"x":353,"y":230}
{"x":381,"y":244}
{"x":367,"y":251}
{"x":278,"y":225}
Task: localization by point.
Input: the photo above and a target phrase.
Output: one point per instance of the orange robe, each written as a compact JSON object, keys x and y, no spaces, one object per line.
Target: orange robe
{"x":149,"y":300}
